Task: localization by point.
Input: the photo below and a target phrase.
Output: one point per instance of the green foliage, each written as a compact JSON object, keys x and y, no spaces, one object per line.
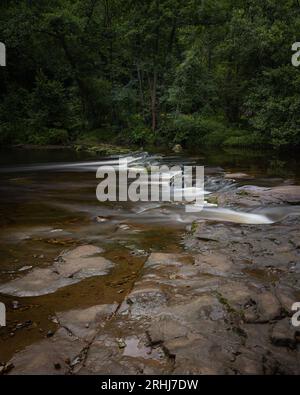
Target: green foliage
{"x":274,"y":104}
{"x":48,"y":105}
{"x":190,"y":129}
{"x":141,"y":135}
{"x":213,"y":72}
{"x":244,"y":139}
{"x":137,"y":132}
{"x":49,"y":136}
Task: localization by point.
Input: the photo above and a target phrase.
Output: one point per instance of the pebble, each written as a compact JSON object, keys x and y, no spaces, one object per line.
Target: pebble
{"x":124,"y":227}
{"x":25,"y":268}
{"x":101,"y":219}
{"x":24,"y":324}
{"x":129,"y":301}
{"x":121,"y":343}
{"x":54,"y":320}
{"x":50,"y":333}
{"x":6,"y":368}
{"x":15,"y":304}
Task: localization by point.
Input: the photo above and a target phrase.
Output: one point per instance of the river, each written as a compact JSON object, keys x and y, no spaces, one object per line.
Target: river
{"x":48,"y":205}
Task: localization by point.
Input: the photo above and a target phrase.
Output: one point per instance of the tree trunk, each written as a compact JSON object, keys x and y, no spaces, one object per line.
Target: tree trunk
{"x":153,"y":95}
{"x":140,"y":79}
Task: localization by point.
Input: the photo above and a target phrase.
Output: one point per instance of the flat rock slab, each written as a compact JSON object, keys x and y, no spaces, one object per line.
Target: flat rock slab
{"x":237,"y":176}
{"x":84,"y":323}
{"x":250,"y":195}
{"x":284,"y":334}
{"x":70,"y":268}
{"x":61,"y":353}
{"x":186,"y":314}
{"x":49,"y":356}
{"x":215,"y":264}
{"x":203,"y":315}
{"x":287,"y":193}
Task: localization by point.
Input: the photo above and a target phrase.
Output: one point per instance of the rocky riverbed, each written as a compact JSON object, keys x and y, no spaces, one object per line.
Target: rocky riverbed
{"x":221,"y":307}
{"x":215,"y":297}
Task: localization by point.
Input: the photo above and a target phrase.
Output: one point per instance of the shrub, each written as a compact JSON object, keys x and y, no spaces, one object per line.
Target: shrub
{"x":50,"y":136}
{"x":244,"y":139}
{"x":191,"y":129}
{"x":142,"y":135}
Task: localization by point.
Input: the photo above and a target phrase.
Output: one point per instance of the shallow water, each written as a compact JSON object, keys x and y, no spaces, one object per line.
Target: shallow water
{"x":48,"y":204}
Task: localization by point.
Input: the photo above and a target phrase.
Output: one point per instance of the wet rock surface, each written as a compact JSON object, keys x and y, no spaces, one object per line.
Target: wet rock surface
{"x":219,"y":304}
{"x":250,"y":195}
{"x":186,"y":314}
{"x":64,"y":350}
{"x":70,"y":267}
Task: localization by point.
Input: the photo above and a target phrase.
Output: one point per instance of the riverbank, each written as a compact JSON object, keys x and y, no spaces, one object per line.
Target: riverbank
{"x":146,"y":289}
{"x":222,"y":306}
{"x":95,"y":149}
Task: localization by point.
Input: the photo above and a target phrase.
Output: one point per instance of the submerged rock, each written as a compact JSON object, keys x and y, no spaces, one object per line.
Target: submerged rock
{"x":70,"y":268}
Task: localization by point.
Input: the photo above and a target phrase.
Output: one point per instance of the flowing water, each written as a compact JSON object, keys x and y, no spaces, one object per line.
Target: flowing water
{"x":48,"y":204}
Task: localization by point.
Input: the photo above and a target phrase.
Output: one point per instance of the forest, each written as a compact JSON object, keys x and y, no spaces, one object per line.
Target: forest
{"x":150,"y":72}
